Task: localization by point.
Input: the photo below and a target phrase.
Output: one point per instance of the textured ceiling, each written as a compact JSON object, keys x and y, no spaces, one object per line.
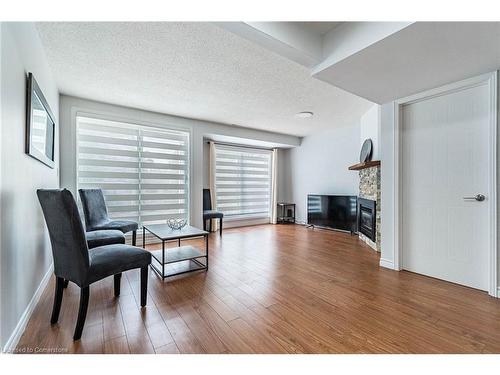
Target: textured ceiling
{"x":195,"y":70}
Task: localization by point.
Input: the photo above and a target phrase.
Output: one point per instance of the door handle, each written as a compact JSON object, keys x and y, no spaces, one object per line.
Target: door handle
{"x":477,"y":197}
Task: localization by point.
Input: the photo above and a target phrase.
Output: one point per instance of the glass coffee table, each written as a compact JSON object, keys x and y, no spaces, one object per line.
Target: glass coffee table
{"x":176,"y":260}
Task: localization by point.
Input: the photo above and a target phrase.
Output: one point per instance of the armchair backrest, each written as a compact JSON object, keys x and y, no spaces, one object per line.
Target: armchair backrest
{"x":207,"y":200}
{"x":94,"y":207}
{"x":67,"y":236}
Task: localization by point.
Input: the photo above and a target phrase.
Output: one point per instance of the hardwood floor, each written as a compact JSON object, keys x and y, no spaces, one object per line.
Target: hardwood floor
{"x":276,"y":289}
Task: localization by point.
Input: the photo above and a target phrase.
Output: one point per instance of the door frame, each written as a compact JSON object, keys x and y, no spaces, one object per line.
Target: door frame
{"x":489,"y":79}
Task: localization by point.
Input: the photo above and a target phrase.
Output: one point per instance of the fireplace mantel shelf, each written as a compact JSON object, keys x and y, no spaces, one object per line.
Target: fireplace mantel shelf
{"x":364,"y":165}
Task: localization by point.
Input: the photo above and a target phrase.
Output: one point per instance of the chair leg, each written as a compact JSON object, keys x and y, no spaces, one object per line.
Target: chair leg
{"x":57,"y":300}
{"x":118,"y":278}
{"x":66,"y":282}
{"x":220,"y":226}
{"x":134,"y":237}
{"x":204,"y":225}
{"x":82,"y":312}
{"x":210,"y":224}
{"x":144,"y":285}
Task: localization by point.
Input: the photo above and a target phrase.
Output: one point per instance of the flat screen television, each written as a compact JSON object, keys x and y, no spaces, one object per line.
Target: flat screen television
{"x":333,"y":211}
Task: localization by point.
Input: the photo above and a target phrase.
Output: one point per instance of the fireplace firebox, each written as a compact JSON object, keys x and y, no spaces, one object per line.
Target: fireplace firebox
{"x":367,"y":220}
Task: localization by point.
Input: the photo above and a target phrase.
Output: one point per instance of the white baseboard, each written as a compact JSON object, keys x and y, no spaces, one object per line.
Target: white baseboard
{"x":386,"y":263}
{"x":13,"y":340}
{"x":245,"y":222}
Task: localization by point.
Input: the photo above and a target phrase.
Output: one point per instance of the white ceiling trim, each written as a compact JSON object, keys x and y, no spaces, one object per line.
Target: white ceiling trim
{"x":284,"y":38}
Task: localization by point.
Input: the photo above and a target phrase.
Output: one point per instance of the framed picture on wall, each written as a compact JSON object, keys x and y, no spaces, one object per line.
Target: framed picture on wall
{"x":40,"y":125}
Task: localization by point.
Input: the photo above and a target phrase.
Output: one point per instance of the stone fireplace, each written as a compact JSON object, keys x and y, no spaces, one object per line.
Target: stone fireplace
{"x":369,"y":188}
{"x":369,"y":173}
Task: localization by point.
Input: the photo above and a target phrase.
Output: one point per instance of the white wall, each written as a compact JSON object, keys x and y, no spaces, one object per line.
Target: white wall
{"x":1,"y":103}
{"x":498,"y":184}
{"x":370,"y":128}
{"x":25,"y":248}
{"x":199,"y":129}
{"x":283,"y":174}
{"x":1,"y":189}
{"x":319,"y":166}
{"x":206,"y":165}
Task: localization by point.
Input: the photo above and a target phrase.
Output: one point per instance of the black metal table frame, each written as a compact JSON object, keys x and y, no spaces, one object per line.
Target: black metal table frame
{"x":285,"y":219}
{"x":163,"y":263}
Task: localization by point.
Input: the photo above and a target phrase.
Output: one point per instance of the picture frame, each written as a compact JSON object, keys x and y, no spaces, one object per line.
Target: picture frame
{"x":40,"y":125}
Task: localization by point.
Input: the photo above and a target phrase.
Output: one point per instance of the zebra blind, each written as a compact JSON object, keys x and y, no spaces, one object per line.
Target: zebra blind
{"x":242,"y":181}
{"x":143,"y":171}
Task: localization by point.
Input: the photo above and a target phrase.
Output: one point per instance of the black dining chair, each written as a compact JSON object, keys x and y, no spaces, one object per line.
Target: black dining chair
{"x":98,"y":238}
{"x":96,"y":214}
{"x":208,"y":213}
{"x":73,"y":261}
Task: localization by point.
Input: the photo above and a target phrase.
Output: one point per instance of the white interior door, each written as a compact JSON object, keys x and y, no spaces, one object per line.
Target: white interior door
{"x":445,"y":164}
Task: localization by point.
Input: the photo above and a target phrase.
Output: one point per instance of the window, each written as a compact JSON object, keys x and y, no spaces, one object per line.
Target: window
{"x":242,"y":181}
{"x":142,"y":170}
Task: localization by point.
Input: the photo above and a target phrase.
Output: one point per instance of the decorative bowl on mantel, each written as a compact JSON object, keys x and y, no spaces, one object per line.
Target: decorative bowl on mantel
{"x":176,"y":224}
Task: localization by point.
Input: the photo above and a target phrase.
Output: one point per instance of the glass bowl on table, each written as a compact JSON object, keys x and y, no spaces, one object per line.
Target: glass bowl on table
{"x":176,"y":224}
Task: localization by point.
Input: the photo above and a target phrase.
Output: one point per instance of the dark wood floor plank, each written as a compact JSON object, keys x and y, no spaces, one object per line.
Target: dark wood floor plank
{"x":92,"y":341}
{"x":118,"y":345}
{"x":140,"y":343}
{"x":159,"y":335}
{"x":182,"y":335}
{"x":231,"y":339}
{"x":323,"y":333}
{"x":112,"y":320}
{"x":207,"y":338}
{"x":256,"y":337}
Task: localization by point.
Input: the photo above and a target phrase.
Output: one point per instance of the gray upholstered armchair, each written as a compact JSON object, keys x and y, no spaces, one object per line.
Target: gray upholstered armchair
{"x":74,"y":261}
{"x":96,"y":214}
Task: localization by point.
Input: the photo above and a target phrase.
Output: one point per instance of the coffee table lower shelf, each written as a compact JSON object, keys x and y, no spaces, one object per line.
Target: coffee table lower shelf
{"x":178,"y":260}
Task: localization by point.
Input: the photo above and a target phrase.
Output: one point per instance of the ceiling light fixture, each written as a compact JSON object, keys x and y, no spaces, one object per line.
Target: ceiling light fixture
{"x":305,"y":114}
